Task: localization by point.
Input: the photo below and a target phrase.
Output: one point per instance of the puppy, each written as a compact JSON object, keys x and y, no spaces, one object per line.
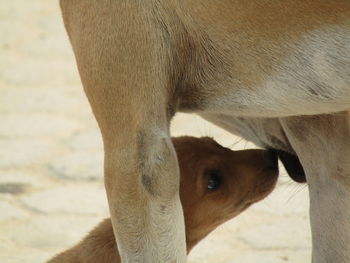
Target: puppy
{"x":216,"y":184}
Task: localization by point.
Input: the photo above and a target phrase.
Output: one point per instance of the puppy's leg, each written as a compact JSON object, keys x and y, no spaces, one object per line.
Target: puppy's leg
{"x":122,"y":60}
{"x":323,"y":146}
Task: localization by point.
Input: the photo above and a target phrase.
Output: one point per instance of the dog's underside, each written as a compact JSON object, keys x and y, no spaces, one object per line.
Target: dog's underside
{"x":274,"y":72}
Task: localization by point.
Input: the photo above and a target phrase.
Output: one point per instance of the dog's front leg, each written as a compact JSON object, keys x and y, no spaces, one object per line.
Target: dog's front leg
{"x":123,"y":64}
{"x":141,"y":179}
{"x":323,"y":146}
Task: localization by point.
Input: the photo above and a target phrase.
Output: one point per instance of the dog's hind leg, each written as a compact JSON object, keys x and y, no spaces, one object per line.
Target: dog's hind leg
{"x":323,"y":146}
{"x":122,"y":60}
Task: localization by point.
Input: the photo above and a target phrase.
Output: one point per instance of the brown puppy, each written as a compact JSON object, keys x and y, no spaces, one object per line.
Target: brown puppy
{"x":216,"y":184}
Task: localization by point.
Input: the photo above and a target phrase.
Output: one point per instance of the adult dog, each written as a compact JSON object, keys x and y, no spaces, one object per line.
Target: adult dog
{"x":275,"y":72}
{"x":216,"y":184}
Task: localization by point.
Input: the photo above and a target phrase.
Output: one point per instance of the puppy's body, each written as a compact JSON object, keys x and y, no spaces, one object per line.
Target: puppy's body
{"x":216,"y":185}
{"x":241,"y":64}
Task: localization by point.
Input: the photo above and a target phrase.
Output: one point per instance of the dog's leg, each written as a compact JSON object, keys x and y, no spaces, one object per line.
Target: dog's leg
{"x":323,"y":146}
{"x":122,"y":60}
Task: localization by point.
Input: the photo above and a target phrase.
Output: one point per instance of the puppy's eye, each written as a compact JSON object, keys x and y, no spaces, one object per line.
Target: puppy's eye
{"x":214,"y":180}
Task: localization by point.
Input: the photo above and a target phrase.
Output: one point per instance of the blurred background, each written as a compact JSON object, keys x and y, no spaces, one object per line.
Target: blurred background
{"x":51,"y":187}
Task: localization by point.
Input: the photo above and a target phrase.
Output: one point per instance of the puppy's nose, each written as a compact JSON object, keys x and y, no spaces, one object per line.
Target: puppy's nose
{"x":271,"y":159}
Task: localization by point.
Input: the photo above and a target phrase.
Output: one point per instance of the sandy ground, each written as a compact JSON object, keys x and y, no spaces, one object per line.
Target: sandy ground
{"x":51,"y":190}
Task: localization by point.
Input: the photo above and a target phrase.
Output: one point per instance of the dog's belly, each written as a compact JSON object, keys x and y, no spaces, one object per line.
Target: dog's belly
{"x":264,"y":132}
{"x":261,"y":68}
{"x":313,"y":79}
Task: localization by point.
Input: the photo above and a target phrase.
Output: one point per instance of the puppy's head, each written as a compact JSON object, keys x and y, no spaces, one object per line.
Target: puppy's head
{"x":218,"y":183}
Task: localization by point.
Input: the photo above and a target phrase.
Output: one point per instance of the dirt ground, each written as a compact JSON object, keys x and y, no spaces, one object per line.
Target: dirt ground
{"x":51,"y":190}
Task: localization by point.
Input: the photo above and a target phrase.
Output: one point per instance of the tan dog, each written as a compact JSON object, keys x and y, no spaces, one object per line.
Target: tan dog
{"x":254,"y":67}
{"x":216,"y":184}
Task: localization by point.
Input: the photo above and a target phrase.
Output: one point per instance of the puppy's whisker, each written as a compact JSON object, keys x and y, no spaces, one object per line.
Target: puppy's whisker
{"x":232,"y":146}
{"x":245,"y":145}
{"x":207,"y":131}
{"x":296,"y":191}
